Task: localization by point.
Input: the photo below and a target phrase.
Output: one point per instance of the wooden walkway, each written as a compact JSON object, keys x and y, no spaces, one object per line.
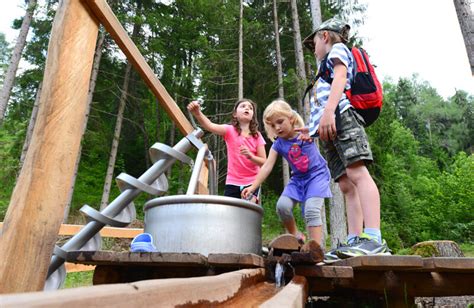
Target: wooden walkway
{"x":393,"y":279}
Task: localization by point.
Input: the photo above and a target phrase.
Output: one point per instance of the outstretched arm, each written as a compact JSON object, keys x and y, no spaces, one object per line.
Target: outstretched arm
{"x":195,"y":108}
{"x":262,"y":174}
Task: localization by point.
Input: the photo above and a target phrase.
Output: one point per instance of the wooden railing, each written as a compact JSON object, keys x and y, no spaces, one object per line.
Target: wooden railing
{"x":67,"y":229}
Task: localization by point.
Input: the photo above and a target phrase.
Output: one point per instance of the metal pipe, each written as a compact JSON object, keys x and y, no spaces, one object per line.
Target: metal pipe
{"x":212,"y":173}
{"x":193,"y":181}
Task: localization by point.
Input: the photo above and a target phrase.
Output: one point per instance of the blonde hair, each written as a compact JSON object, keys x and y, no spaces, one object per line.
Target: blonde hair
{"x":280,"y":107}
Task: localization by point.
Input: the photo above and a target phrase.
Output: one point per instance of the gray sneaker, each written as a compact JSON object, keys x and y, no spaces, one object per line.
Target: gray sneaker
{"x":331,"y":256}
{"x":363,"y":245}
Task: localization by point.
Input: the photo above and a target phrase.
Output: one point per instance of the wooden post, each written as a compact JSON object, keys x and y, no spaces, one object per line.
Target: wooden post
{"x":37,"y":204}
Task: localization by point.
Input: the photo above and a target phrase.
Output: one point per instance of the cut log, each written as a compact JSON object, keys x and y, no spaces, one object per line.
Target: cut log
{"x":437,"y":249}
{"x":285,"y":242}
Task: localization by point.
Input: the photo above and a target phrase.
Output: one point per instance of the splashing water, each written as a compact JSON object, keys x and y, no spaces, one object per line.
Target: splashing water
{"x":279,"y":275}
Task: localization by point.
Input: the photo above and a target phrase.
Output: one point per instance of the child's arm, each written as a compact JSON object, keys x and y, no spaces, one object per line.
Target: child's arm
{"x":195,"y":109}
{"x":258,"y":159}
{"x":327,"y":124}
{"x":262,"y":174}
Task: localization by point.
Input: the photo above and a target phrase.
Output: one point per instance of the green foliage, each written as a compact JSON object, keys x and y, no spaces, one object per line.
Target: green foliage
{"x":78,"y":279}
{"x":422,"y":143}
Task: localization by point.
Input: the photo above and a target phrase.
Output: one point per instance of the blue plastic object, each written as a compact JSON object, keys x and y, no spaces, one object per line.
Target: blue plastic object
{"x":143,"y":243}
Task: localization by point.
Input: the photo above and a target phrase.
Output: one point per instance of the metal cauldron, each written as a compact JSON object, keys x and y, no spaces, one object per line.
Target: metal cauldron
{"x":204,"y":224}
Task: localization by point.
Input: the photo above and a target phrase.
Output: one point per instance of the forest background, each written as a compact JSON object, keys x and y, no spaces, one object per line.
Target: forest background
{"x":422,"y":143}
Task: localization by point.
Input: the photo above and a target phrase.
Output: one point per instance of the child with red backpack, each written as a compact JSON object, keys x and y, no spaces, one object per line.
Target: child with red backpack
{"x":344,"y":140}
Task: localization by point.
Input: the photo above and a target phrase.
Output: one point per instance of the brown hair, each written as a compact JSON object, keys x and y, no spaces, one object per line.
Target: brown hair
{"x":336,"y":37}
{"x":253,"y":126}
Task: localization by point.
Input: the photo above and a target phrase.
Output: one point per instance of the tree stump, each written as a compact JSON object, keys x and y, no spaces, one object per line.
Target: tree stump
{"x":437,"y":249}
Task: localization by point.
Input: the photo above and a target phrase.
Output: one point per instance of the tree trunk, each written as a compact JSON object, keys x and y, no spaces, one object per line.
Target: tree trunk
{"x":437,"y":249}
{"x":90,"y":94}
{"x":304,"y":112}
{"x":15,"y":59}
{"x":284,"y":164}
{"x":241,"y":43}
{"x":466,"y":22}
{"x":31,"y":125}
{"x":337,"y":217}
{"x":315,"y":13}
{"x":115,"y":142}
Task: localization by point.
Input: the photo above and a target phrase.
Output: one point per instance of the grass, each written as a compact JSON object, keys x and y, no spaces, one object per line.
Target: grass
{"x":78,"y":279}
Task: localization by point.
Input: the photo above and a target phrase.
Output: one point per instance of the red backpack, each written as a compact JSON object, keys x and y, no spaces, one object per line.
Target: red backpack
{"x":366,"y":94}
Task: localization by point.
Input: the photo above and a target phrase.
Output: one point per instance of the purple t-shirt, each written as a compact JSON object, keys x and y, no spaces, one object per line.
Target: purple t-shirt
{"x":310,"y":174}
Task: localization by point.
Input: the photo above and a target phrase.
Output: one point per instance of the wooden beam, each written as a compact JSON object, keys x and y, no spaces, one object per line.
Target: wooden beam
{"x":325,"y":271}
{"x":67,"y":229}
{"x":200,"y":291}
{"x":37,"y":204}
{"x":292,"y":295}
{"x":382,"y":263}
{"x":105,"y":15}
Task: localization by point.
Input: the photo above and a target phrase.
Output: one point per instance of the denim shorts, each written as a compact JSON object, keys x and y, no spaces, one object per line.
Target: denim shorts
{"x":351,"y":144}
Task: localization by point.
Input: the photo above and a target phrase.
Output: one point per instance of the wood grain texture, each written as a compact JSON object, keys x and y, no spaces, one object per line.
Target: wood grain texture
{"x":37,"y":204}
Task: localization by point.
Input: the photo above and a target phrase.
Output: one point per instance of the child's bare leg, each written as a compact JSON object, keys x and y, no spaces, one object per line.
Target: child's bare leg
{"x":312,"y":217}
{"x":368,"y":193}
{"x":316,"y":233}
{"x":290,"y":226}
{"x":355,"y":219}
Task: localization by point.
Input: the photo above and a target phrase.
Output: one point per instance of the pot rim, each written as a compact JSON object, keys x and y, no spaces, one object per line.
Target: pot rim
{"x":212,"y":199}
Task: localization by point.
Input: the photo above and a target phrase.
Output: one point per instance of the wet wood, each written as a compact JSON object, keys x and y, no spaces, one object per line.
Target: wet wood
{"x":204,"y":291}
{"x":252,"y":296}
{"x":292,"y":295}
{"x":285,"y":242}
{"x":310,"y":253}
{"x":234,"y":259}
{"x":382,"y":262}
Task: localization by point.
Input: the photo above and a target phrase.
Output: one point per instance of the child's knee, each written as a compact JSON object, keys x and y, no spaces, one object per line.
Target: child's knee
{"x":285,"y":208}
{"x":312,"y":214}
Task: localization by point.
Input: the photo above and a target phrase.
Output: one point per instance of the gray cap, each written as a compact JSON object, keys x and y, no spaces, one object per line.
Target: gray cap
{"x":333,"y":24}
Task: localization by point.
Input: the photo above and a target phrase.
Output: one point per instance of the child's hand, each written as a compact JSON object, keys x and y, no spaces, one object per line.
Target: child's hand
{"x":327,"y":126}
{"x":194,"y":107}
{"x":304,"y":134}
{"x":246,"y":193}
{"x":245,"y":151}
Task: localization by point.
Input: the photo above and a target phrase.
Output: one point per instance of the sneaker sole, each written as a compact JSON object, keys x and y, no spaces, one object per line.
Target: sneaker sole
{"x":349,"y":254}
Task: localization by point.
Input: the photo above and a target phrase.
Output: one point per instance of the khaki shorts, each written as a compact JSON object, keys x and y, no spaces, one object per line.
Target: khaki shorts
{"x":350,"y":146}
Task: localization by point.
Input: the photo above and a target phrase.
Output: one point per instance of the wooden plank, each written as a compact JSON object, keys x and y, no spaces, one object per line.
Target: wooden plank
{"x":235,"y":259}
{"x":73,"y":268}
{"x":202,"y":186}
{"x":325,"y":271}
{"x":136,"y":258}
{"x":381,"y":263}
{"x":105,"y":15}
{"x":200,"y":291}
{"x":105,"y":232}
{"x":67,"y":229}
{"x":293,"y":295}
{"x":397,"y":284}
{"x":460,"y":265}
{"x":37,"y":204}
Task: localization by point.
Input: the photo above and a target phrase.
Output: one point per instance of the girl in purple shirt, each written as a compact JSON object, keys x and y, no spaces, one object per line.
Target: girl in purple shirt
{"x":309,"y":184}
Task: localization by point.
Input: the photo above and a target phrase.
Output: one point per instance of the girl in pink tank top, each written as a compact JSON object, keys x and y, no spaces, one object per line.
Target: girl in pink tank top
{"x":244,"y":143}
